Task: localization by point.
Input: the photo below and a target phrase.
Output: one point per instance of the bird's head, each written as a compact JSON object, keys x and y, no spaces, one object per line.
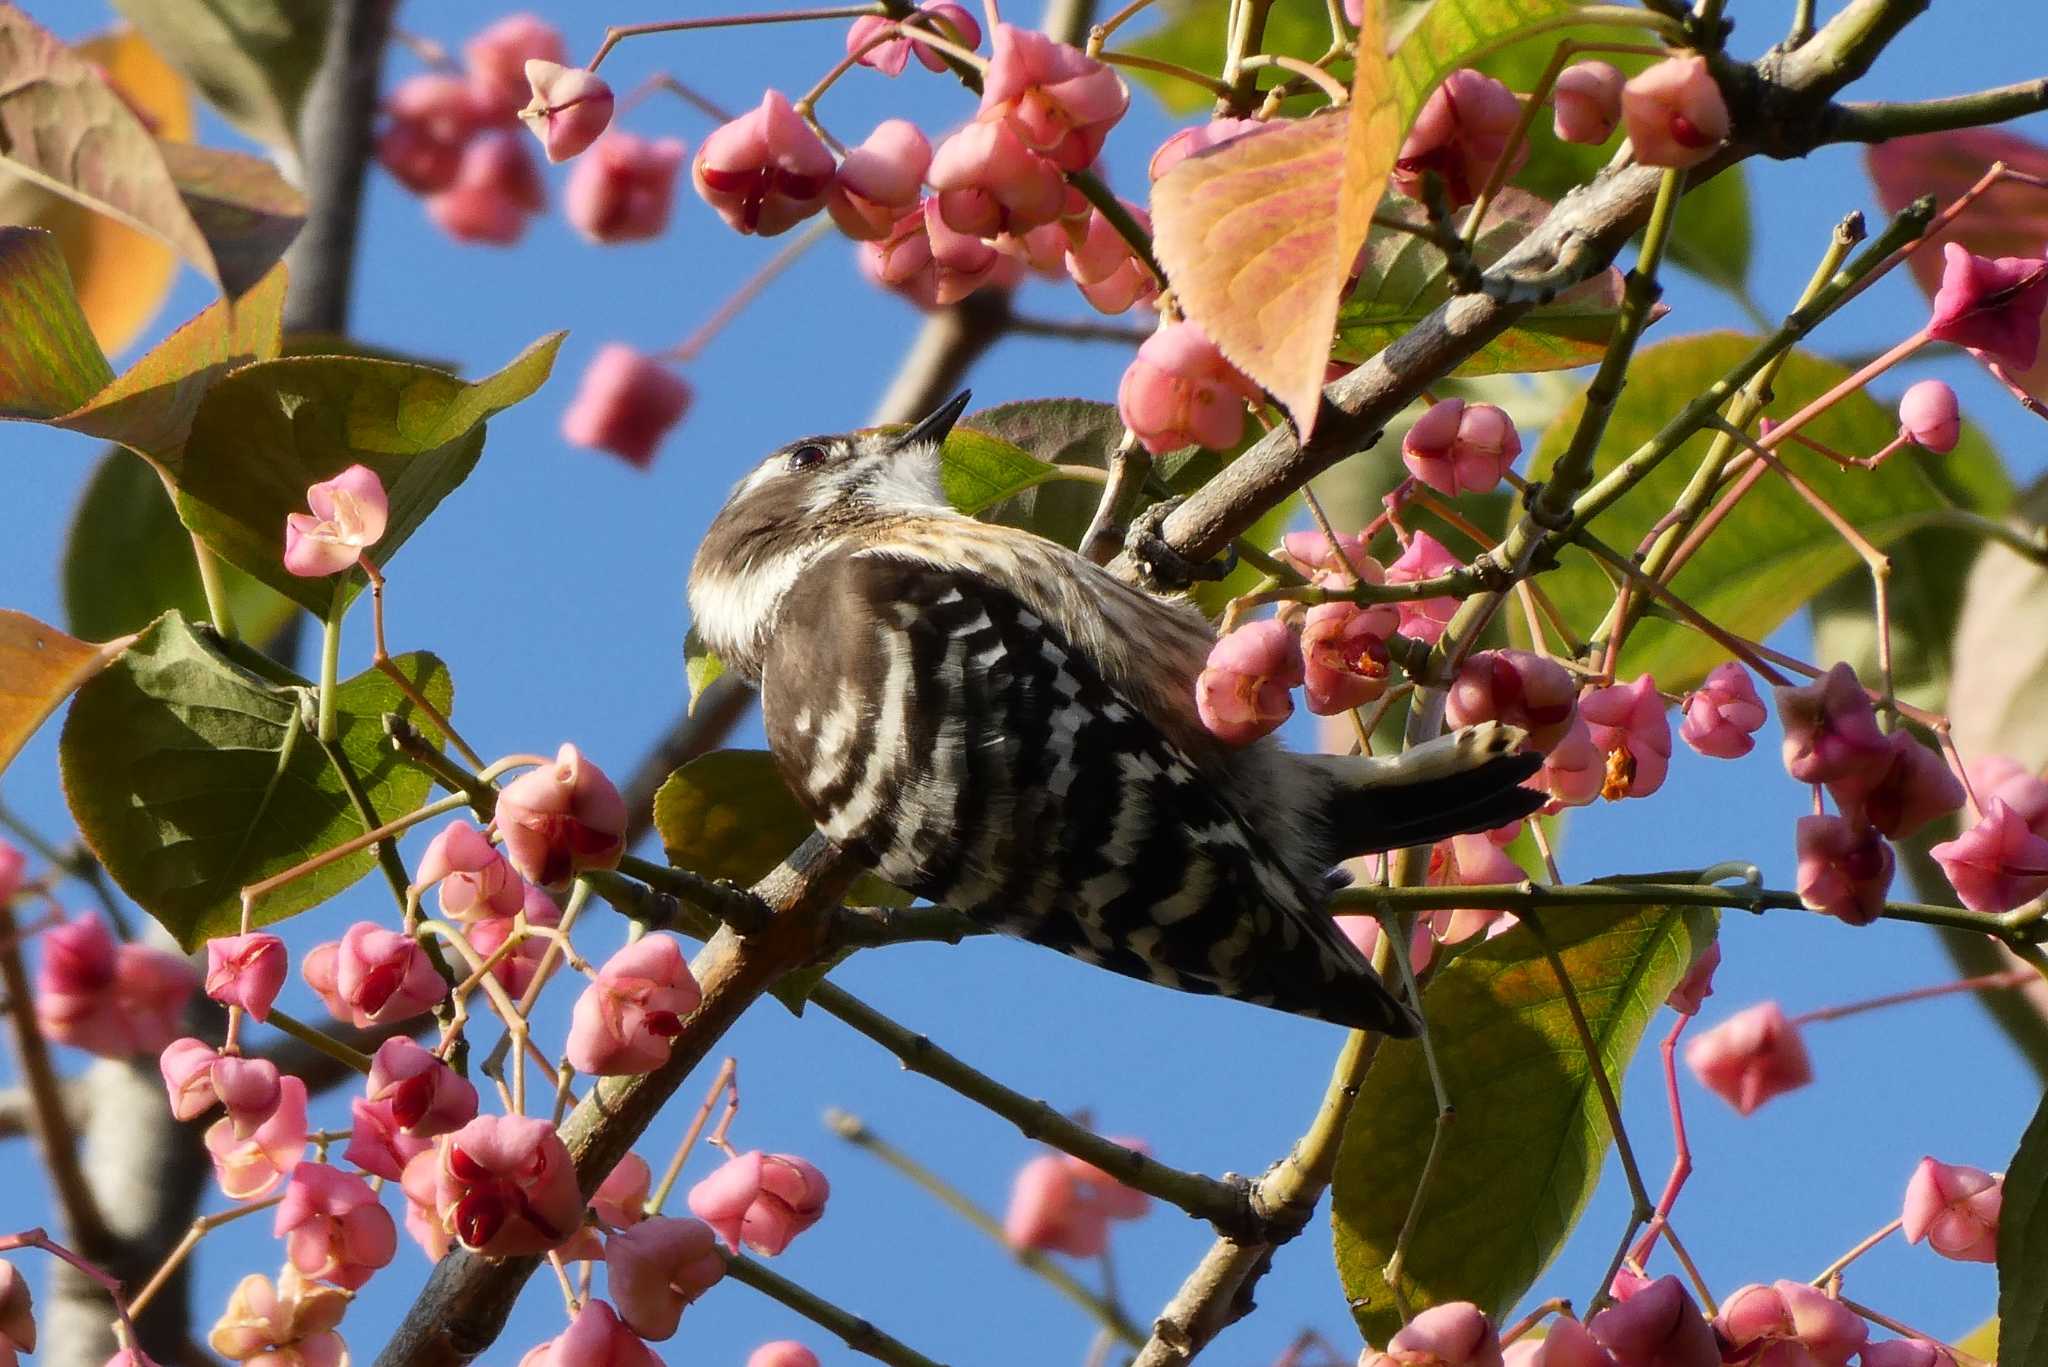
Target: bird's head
{"x":803,"y":500}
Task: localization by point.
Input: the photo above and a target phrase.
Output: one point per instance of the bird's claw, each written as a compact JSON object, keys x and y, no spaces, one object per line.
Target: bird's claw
{"x":1162,"y":565}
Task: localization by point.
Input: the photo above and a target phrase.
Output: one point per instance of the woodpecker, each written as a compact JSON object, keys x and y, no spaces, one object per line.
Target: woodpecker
{"x":993,"y":722}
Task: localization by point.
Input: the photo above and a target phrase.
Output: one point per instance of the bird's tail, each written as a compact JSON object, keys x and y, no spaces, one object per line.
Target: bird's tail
{"x":1467,"y":781}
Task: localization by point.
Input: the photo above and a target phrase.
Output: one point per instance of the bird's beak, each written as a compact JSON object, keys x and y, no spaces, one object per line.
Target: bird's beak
{"x":934,"y":426}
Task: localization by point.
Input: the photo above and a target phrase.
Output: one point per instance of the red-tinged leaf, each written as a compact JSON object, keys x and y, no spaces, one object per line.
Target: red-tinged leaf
{"x":2009,"y":219}
{"x":1249,"y":236}
{"x":63,"y":127}
{"x":150,"y":407}
{"x":39,"y":668}
{"x":49,"y":362}
{"x":1402,"y":280}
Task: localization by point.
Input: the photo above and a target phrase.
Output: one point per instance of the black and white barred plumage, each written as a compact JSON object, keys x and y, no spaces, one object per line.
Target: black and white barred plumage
{"x":996,"y":723}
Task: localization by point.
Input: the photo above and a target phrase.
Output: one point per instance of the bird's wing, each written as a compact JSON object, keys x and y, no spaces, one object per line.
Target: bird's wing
{"x":936,"y":726}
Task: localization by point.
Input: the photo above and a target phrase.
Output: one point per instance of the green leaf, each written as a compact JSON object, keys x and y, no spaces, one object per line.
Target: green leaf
{"x":1981,"y":1342}
{"x":1052,"y":432}
{"x":2023,"y":1250}
{"x":64,"y":128}
{"x":128,"y":560}
{"x":267,"y":431}
{"x":192,"y":772}
{"x":1403,"y":279}
{"x":979,"y":470}
{"x":1711,"y":237}
{"x":701,"y":666}
{"x":1191,"y":35}
{"x":1773,"y":553}
{"x":729,"y":815}
{"x":49,"y":362}
{"x":252,"y":59}
{"x":1524,"y":1155}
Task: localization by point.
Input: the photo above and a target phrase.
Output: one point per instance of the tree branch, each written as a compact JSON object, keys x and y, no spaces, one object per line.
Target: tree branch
{"x":1874,"y":122}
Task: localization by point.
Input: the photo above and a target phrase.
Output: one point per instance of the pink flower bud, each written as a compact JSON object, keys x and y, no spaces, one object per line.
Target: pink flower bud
{"x":1999,"y":776}
{"x":1108,"y":272}
{"x":1698,"y":983}
{"x":474,"y":879}
{"x":659,"y":1267}
{"x":1929,"y":416}
{"x":1059,"y":100}
{"x":107,"y":999}
{"x":1574,"y":770}
{"x":429,"y":119}
{"x":379,"y":976}
{"x":517,"y":968}
{"x":889,"y":56}
{"x":627,"y":1020}
{"x":1845,"y":868}
{"x":427,"y":1097}
{"x":1468,"y":861}
{"x":766,"y":171}
{"x":250,"y":1167}
{"x":569,"y":109}
{"x":1194,"y":141}
{"x":1991,"y":306}
{"x":1454,"y":1334}
{"x":1245,"y":691}
{"x":1675,"y":113}
{"x":349,"y":515}
{"x":1658,"y":1326}
{"x":497,"y":59}
{"x":1425,"y":557}
{"x":1311,"y":554}
{"x":989,"y":182}
{"x":1723,"y":714}
{"x":1906,"y":1353}
{"x":504,"y":1186}
{"x":1344,"y":656}
{"x":561,"y":819}
{"x":1831,"y":733}
{"x":1996,"y":864}
{"x":334,"y":1229}
{"x":1749,"y":1058}
{"x":17,"y":1314}
{"x":1915,"y":788}
{"x":1053,"y":1210}
{"x":626,"y":405}
{"x":1118,"y":1201}
{"x":290,"y":1324}
{"x":1788,"y":1324}
{"x":496,"y":190}
{"x":377,"y":1143}
{"x":1460,"y":134}
{"x":782,"y":1353}
{"x":250,"y":1088}
{"x":622,"y":191}
{"x":1180,"y":391}
{"x":927,"y":262}
{"x":879,"y":181}
{"x":1628,"y":724}
{"x":1955,"y":1209}
{"x":762,"y":1200}
{"x":1586,"y":102}
{"x":1565,"y":1343}
{"x":420,"y":1181}
{"x":12,"y":862}
{"x":187,"y":1067}
{"x":1530,"y":691}
{"x":620,"y":1201}
{"x":1459,"y":448}
{"x":1364,"y":933}
{"x":595,"y":1338}
{"x":245,"y":971}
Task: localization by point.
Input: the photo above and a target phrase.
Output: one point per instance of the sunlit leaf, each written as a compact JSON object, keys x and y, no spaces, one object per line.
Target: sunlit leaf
{"x":192,"y":771}
{"x":265,"y":432}
{"x":1981,"y":1342}
{"x":1191,"y":34}
{"x":729,"y":815}
{"x":1524,"y":1155}
{"x":701,"y":666}
{"x":252,"y":59}
{"x":2001,"y":648}
{"x":39,"y":668}
{"x":128,"y":560}
{"x":1402,"y":280}
{"x":978,"y":470}
{"x":2022,"y":1326}
{"x":1773,"y":553}
{"x":49,"y":362}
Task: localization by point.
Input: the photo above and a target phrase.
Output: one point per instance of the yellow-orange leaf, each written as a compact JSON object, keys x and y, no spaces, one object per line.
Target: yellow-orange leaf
{"x":39,"y":668}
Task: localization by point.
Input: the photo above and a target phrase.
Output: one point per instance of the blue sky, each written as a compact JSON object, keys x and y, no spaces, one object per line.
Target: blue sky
{"x":552,"y":584}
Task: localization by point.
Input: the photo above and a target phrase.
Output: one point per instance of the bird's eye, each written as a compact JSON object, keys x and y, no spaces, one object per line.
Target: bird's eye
{"x":806,"y":456}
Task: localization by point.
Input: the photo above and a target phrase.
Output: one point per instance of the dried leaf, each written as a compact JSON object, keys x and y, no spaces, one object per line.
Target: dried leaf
{"x":39,"y":668}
